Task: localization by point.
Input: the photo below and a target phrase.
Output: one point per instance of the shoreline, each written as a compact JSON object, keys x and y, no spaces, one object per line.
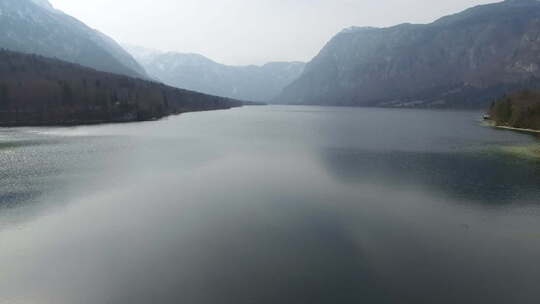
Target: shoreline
{"x":518,"y":129}
{"x":491,"y":123}
{"x":12,"y":125}
{"x":531,"y":152}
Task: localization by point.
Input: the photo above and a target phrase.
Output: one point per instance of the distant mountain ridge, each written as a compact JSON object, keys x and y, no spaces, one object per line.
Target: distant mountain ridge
{"x":36,"y":27}
{"x":463,"y":60}
{"x":198,"y":73}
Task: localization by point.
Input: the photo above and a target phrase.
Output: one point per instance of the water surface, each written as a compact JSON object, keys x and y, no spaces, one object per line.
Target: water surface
{"x":270,"y":205}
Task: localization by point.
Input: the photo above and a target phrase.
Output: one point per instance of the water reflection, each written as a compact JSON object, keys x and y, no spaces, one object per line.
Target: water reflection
{"x":267,"y":205}
{"x":483,"y":176}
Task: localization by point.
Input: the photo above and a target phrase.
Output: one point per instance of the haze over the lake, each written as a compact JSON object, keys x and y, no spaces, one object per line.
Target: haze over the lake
{"x":400,"y":165}
{"x":241,"y":32}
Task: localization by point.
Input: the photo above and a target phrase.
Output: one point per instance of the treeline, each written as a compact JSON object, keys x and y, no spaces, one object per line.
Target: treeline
{"x":519,"y":110}
{"x":36,"y":90}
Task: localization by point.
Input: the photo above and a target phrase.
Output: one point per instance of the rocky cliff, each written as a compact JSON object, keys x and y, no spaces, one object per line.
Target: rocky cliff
{"x":462,"y":60}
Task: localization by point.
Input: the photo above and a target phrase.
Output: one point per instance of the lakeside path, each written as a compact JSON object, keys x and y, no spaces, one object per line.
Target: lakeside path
{"x":518,"y":129}
{"x":491,"y":123}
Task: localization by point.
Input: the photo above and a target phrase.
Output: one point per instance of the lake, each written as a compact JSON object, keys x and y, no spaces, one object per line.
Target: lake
{"x":270,"y":204}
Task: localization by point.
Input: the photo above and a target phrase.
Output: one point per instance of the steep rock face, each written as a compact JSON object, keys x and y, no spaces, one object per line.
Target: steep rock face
{"x":463,"y":60}
{"x":198,"y":73}
{"x":34,"y":26}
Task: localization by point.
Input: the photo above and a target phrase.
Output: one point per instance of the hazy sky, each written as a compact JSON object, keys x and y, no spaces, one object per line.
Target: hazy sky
{"x":248,"y":31}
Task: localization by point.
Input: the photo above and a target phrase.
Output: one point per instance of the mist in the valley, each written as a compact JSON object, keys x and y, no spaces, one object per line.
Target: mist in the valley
{"x":241,"y":32}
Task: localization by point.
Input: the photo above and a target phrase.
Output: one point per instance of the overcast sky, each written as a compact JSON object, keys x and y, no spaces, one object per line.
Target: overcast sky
{"x":248,"y":31}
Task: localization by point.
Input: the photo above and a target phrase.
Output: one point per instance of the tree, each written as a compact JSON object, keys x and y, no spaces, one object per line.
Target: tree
{"x":503,"y":111}
{"x":67,"y":94}
{"x":165,"y":99}
{"x":4,"y":96}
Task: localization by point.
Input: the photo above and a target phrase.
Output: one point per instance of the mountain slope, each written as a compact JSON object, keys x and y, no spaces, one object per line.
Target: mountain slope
{"x":463,"y":60}
{"x":34,"y":26}
{"x":198,"y":73}
{"x":36,"y":90}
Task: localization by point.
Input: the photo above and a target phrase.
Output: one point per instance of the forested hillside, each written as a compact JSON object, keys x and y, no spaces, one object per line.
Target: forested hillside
{"x":35,"y":90}
{"x":519,"y":110}
{"x":198,"y":73}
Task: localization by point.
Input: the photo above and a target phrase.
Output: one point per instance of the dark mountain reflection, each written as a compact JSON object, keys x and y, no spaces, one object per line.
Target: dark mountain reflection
{"x":482,"y":177}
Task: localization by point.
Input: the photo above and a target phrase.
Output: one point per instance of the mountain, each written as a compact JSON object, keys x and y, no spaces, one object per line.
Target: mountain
{"x":198,"y":73}
{"x":463,"y":60}
{"x":34,"y":26}
{"x":36,"y":90}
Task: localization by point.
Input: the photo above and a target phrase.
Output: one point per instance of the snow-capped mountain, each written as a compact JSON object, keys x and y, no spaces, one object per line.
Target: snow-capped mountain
{"x":35,"y":26}
{"x":198,"y":73}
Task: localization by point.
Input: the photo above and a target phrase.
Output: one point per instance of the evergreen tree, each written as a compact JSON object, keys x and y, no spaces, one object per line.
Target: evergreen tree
{"x":503,"y":111}
{"x":67,"y":94}
{"x":4,"y":96}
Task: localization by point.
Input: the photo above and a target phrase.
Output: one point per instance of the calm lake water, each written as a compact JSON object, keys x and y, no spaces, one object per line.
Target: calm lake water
{"x":270,"y":205}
